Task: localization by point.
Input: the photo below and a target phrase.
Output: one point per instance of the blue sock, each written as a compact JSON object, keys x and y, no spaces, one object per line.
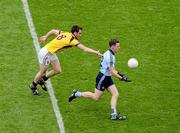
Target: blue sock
{"x":113,"y":111}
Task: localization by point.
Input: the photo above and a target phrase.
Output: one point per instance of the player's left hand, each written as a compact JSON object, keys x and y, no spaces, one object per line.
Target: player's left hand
{"x":124,"y":78}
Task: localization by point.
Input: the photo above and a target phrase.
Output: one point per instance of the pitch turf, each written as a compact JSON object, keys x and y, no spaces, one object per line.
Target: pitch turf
{"x":148,"y":31}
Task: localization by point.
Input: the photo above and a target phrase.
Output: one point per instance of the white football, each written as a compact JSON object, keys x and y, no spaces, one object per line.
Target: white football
{"x":132,"y":63}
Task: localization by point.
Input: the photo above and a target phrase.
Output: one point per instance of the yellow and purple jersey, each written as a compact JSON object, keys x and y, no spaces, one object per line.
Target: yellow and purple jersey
{"x":63,"y":40}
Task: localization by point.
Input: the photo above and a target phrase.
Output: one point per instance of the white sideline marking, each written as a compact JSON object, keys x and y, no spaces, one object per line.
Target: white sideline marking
{"x":49,"y":85}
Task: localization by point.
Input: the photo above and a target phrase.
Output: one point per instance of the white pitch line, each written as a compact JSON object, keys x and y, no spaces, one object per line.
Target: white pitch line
{"x":49,"y":85}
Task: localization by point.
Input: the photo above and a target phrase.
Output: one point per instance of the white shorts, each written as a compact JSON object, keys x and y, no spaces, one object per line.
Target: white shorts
{"x":45,"y":57}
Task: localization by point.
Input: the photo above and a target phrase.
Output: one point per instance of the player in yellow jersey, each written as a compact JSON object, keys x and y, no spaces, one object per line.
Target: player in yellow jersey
{"x":47,"y":55}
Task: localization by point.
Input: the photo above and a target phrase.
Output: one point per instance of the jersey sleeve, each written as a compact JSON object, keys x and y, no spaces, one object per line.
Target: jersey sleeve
{"x":111,"y":63}
{"x":75,"y":42}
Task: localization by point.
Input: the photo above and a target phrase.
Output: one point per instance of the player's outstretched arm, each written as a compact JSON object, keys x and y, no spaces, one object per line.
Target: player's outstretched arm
{"x":116,"y":74}
{"x":51,"y":32}
{"x":89,"y":50}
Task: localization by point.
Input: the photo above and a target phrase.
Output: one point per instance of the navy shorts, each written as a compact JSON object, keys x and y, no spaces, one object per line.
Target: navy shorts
{"x":103,"y":82}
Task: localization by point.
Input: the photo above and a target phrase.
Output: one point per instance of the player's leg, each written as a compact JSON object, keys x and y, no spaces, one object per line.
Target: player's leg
{"x":114,"y":98}
{"x":94,"y":96}
{"x":39,"y":75}
{"x":56,"y":68}
{"x":97,"y":93}
{"x":44,"y":60}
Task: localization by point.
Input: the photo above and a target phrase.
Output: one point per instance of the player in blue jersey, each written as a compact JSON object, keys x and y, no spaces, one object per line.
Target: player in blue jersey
{"x":104,"y":80}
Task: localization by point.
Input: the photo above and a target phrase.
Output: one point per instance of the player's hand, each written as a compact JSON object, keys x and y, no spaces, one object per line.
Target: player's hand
{"x":99,"y":54}
{"x":42,"y":39}
{"x":124,"y":78}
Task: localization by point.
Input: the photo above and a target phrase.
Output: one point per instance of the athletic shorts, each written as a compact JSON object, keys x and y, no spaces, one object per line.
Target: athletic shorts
{"x":103,"y":82}
{"x":45,"y":57}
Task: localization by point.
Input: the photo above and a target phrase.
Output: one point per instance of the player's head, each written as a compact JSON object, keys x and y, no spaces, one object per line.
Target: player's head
{"x":114,"y":45}
{"x":76,"y":31}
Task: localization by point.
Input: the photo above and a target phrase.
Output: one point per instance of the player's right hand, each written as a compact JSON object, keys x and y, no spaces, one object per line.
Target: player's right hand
{"x":99,"y":54}
{"x":42,"y":39}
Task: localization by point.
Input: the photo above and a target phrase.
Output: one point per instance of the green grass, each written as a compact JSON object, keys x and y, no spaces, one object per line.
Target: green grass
{"x":20,"y":111}
{"x":148,"y":31}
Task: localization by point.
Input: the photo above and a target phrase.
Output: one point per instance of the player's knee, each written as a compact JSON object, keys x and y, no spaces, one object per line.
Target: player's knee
{"x":57,"y":71}
{"x":42,"y":72}
{"x":116,"y":95}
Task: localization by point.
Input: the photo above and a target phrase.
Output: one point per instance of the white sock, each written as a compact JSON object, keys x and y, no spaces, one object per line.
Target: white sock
{"x":78,"y":94}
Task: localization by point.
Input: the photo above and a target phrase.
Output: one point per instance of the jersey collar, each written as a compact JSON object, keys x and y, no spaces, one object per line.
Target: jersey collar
{"x":111,"y":51}
{"x":74,"y":36}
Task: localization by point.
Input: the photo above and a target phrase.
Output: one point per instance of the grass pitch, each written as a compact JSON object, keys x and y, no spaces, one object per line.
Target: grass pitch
{"x":148,"y":31}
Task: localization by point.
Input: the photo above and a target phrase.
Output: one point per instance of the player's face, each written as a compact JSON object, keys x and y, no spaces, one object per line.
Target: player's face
{"x":78,"y":34}
{"x":116,"y":47}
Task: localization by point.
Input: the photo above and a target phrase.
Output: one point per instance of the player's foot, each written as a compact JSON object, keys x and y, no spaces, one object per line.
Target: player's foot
{"x":72,"y":95}
{"x":34,"y":91}
{"x":117,"y":117}
{"x":43,"y":85}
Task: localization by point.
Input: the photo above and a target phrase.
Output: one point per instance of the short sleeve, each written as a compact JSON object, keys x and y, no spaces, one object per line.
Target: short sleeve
{"x":111,"y":61}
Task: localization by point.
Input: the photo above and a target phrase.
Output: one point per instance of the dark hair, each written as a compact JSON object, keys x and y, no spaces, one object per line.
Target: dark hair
{"x":113,"y":42}
{"x":75,"y":28}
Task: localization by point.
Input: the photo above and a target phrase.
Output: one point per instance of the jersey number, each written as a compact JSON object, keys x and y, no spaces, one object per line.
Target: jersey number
{"x":61,"y":37}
